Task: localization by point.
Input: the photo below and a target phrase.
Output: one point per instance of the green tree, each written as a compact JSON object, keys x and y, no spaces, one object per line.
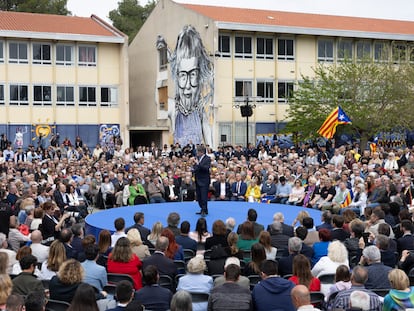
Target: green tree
{"x":376,"y":96}
{"x":36,"y":6}
{"x":130,"y":16}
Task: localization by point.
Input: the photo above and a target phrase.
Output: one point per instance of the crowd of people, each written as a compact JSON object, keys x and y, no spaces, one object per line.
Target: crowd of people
{"x":364,"y":242}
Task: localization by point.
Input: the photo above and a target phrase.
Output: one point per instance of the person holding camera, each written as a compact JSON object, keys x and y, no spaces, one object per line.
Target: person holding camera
{"x":51,"y":224}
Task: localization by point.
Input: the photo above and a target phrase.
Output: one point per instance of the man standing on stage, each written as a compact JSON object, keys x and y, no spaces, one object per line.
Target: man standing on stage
{"x":201,"y":171}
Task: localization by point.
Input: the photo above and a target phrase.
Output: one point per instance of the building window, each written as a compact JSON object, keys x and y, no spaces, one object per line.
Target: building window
{"x":42,"y":95}
{"x":18,"y":53}
{"x":380,"y":52}
{"x":225,"y":132}
{"x":285,"y":49}
{"x":344,"y":50}
{"x":284,"y":91}
{"x":265,"y":91}
{"x":41,"y":54}
{"x":163,"y":98}
{"x":1,"y":94}
{"x":87,"y":56}
{"x":243,"y":88}
{"x":325,"y":50}
{"x":87,"y":96}
{"x":65,"y":96}
{"x":224,"y":46}
{"x":64,"y":55}
{"x":1,"y":52}
{"x":243,"y":47}
{"x":264,"y":48}
{"x":19,"y":95}
{"x":163,"y":58}
{"x":109,"y":96}
{"x":240,"y":133}
{"x":399,"y":53}
{"x":363,"y":50}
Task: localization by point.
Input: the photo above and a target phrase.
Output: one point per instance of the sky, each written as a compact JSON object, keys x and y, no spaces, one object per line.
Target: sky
{"x":386,"y":9}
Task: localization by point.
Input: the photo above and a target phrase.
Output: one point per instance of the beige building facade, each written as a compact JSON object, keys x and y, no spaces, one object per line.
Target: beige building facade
{"x":257,"y":55}
{"x":62,"y":74}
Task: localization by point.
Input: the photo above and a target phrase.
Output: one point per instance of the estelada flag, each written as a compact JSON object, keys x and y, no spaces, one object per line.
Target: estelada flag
{"x":336,"y":117}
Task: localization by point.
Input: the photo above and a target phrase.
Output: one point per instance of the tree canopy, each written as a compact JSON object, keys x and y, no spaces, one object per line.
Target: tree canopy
{"x":376,"y":96}
{"x":130,"y":16}
{"x":36,"y":6}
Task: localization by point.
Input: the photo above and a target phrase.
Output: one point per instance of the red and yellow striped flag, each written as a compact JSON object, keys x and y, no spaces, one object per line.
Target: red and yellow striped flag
{"x":336,"y":117}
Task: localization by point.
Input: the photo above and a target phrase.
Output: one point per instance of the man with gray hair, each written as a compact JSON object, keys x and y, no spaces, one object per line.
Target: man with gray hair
{"x":359,"y":277}
{"x":173,"y":220}
{"x":164,"y":264}
{"x":286,"y":263}
{"x":230,"y":224}
{"x":286,"y":229}
{"x":377,"y":271}
{"x":277,"y":238}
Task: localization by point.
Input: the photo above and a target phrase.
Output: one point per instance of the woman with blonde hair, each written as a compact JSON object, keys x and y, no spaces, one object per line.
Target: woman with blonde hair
{"x":57,"y":255}
{"x":337,"y":255}
{"x":299,"y":218}
{"x":401,"y":295}
{"x":138,"y":248}
{"x":64,"y":285}
{"x":155,"y":232}
{"x":6,"y":286}
{"x":253,"y":191}
{"x":233,"y":250}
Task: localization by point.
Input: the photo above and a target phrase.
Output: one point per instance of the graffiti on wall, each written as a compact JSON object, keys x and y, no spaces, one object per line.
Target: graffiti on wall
{"x":190,"y":111}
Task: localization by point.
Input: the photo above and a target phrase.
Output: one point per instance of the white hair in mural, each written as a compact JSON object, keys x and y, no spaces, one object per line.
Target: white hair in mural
{"x":192,"y":72}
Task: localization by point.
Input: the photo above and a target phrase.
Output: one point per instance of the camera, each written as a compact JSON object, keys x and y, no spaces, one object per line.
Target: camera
{"x":72,"y":214}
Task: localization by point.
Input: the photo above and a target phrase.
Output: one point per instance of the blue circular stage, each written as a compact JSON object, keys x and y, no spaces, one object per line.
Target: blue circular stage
{"x":104,"y":219}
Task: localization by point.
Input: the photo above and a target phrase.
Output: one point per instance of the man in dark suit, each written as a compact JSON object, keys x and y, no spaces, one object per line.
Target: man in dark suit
{"x":286,"y":229}
{"x":301,"y":233}
{"x":277,"y":238}
{"x":139,"y":224}
{"x":61,"y":198}
{"x":124,"y":294}
{"x":165,"y":265}
{"x":338,"y":232}
{"x":183,"y":239}
{"x":252,"y":217}
{"x":152,"y":295}
{"x":238,"y":189}
{"x":286,"y":263}
{"x":407,"y":240}
{"x":326,"y":221}
{"x":222,"y":190}
{"x":201,"y":171}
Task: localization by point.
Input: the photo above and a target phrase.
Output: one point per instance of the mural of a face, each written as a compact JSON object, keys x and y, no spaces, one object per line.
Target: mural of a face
{"x":188,"y":82}
{"x":192,"y":74}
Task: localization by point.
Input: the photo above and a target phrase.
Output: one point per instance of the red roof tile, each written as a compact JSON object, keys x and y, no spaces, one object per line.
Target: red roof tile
{"x":303,"y":20}
{"x":30,"y":22}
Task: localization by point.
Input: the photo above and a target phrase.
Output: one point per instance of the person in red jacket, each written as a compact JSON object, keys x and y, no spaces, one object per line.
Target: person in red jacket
{"x":122,"y":260}
{"x":302,"y":274}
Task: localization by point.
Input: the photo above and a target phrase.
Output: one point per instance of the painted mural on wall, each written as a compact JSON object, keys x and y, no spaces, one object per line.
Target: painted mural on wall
{"x":42,"y":133}
{"x":109,"y":134}
{"x":190,"y":111}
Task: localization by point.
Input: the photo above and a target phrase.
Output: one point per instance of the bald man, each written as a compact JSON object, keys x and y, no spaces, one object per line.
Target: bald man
{"x":301,"y":298}
{"x":39,"y":250}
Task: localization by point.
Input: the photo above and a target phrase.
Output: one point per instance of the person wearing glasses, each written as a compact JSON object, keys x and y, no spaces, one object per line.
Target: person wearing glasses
{"x":192,"y":73}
